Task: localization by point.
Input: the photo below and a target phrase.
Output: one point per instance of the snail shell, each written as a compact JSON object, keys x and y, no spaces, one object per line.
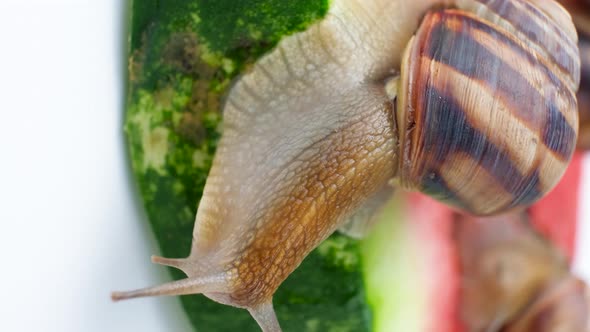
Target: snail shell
{"x":487,"y":115}
{"x":311,"y":134}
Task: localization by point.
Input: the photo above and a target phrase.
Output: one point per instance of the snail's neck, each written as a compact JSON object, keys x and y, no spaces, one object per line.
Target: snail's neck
{"x":326,"y":183}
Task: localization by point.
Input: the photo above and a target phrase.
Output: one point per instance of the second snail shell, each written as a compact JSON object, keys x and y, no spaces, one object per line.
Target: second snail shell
{"x":482,"y":116}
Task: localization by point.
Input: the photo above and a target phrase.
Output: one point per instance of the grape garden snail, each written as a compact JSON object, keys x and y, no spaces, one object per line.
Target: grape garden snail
{"x":477,"y":109}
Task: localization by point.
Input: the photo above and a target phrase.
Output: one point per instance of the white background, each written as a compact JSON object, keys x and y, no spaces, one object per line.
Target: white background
{"x":72,"y":228}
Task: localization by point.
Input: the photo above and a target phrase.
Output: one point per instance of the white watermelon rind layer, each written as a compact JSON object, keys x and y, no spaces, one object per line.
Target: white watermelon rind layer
{"x":409,"y":272}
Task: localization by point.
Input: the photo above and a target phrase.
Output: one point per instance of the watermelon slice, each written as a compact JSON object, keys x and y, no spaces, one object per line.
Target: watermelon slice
{"x":183,"y":57}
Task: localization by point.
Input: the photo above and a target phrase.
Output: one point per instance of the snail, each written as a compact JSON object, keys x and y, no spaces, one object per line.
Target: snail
{"x":478,"y":110}
{"x":514,"y":279}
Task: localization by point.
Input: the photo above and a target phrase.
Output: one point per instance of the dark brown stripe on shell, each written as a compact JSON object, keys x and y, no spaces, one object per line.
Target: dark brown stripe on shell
{"x":522,"y":20}
{"x":558,"y":136}
{"x":459,"y":50}
{"x":447,"y":131}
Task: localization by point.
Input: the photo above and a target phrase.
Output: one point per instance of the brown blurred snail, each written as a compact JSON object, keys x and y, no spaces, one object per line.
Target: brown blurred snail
{"x":478,"y":110}
{"x":514,"y":280}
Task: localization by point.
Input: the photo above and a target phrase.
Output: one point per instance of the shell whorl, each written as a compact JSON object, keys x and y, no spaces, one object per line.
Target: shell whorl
{"x":487,"y":107}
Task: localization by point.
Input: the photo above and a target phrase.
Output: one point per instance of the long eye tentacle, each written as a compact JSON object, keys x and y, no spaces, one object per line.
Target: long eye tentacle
{"x":211,"y":284}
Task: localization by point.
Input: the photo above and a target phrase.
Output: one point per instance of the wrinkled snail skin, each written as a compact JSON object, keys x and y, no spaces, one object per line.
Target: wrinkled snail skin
{"x":312,"y":132}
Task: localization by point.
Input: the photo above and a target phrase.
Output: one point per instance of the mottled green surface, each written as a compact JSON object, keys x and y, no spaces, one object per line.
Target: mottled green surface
{"x":183,"y":56}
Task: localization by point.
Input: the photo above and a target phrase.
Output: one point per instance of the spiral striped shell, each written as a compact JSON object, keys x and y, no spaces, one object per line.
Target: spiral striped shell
{"x":487,"y":111}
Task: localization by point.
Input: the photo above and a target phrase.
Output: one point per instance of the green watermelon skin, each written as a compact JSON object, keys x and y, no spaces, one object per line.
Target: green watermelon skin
{"x":183,"y":57}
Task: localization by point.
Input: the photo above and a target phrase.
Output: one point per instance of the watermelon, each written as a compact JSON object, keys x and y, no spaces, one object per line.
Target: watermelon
{"x":183,"y":57}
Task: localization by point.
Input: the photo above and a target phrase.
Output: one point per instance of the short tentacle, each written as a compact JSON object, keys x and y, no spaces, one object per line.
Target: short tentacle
{"x":178,"y":263}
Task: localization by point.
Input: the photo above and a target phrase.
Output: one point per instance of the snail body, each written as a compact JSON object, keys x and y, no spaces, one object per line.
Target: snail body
{"x":319,"y":126}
